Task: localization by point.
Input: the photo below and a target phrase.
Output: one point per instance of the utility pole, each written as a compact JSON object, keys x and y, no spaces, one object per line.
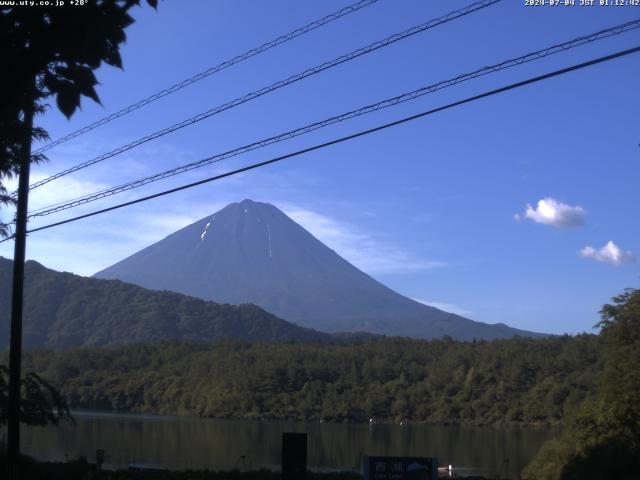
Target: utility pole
{"x":15,"y":348}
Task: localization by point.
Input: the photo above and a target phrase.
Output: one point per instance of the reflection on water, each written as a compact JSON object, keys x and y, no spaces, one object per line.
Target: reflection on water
{"x":182,"y":443}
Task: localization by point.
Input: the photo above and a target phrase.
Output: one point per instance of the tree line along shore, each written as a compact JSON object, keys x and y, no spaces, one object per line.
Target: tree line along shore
{"x":519,"y":381}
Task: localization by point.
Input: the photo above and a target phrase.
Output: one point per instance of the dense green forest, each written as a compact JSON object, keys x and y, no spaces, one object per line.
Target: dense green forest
{"x":523,"y":381}
{"x":602,"y":438}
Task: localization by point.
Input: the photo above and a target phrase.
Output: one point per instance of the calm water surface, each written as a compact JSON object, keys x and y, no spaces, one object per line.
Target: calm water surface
{"x":183,"y":443}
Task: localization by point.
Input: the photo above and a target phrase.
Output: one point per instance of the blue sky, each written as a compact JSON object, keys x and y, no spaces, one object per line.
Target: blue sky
{"x":435,"y":209}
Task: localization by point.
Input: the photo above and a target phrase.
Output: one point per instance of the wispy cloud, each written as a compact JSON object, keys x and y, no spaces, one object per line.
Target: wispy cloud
{"x":366,"y":253}
{"x":92,"y":244}
{"x":447,"y":307}
{"x":59,"y":190}
{"x":550,"y":211}
{"x":154,"y":226}
{"x":610,"y":253}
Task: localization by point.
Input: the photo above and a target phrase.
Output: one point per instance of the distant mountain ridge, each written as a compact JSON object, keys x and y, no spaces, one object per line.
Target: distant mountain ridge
{"x":63,"y":310}
{"x":251,"y":252}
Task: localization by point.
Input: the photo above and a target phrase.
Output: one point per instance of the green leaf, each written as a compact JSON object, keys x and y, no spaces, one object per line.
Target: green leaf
{"x":51,"y":82}
{"x":68,"y":99}
{"x":92,"y":94}
{"x":113,"y":58}
{"x":84,"y":80}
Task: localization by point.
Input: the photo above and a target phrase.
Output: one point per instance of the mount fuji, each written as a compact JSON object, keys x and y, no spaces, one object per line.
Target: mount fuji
{"x":251,"y":252}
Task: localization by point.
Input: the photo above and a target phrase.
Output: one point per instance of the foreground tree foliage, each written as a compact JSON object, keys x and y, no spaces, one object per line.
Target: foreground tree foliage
{"x":603,"y":439}
{"x":41,"y":403}
{"x":52,"y":52}
{"x":519,"y":381}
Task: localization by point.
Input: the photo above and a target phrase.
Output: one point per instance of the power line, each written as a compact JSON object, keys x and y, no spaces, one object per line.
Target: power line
{"x":532,"y":56}
{"x":292,"y":79}
{"x":211,"y":71}
{"x":275,"y":86}
{"x":362,"y":133}
{"x":348,"y":115}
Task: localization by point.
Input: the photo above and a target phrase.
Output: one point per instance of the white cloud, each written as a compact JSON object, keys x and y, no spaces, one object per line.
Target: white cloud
{"x":360,"y":249}
{"x":447,"y":307}
{"x":550,"y":211}
{"x":610,"y":253}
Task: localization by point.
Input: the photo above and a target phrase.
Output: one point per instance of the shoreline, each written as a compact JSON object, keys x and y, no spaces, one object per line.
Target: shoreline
{"x":80,"y":469}
{"x":97,"y":413}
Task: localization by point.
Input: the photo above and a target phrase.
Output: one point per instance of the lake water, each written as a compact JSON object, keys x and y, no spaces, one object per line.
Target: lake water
{"x":190,"y":443}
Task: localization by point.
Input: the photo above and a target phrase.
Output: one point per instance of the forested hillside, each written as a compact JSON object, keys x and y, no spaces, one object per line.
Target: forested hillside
{"x":63,"y":310}
{"x":524,"y":381}
{"x":602,"y":438}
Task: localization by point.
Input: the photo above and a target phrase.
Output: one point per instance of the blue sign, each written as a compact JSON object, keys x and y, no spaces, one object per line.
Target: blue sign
{"x":399,"y":468}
